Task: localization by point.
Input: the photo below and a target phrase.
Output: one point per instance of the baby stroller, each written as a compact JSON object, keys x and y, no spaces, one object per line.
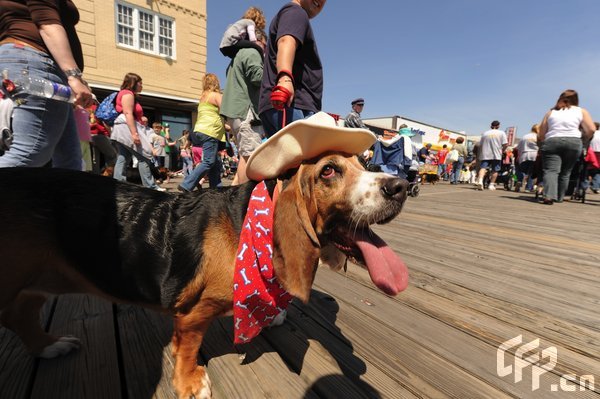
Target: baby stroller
{"x":413,"y":182}
{"x":390,"y":158}
{"x":507,"y":176}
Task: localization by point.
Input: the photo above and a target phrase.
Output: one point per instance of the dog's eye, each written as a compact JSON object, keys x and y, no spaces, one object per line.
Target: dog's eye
{"x":327,"y":172}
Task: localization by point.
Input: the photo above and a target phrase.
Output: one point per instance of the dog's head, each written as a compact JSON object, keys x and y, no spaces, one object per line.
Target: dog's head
{"x":324,"y":211}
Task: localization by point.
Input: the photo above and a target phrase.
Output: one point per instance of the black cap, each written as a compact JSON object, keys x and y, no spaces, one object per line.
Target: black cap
{"x":359,"y":101}
{"x":495,"y":123}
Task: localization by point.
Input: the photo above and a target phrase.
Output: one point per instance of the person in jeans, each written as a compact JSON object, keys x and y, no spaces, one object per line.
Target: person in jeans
{"x":462,"y":155}
{"x":561,"y":134}
{"x":129,"y":133}
{"x":293,"y":74}
{"x":185,"y":152}
{"x":209,"y":133}
{"x":41,"y":39}
{"x":441,"y":156}
{"x":527,"y":150}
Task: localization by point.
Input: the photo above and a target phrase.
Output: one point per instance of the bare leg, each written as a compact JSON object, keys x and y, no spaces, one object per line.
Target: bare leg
{"x":240,"y":174}
{"x":494,"y":177}
{"x":481,"y":174}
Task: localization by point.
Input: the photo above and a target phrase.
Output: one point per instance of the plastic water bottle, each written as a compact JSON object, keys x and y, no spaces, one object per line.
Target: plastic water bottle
{"x":44,"y":88}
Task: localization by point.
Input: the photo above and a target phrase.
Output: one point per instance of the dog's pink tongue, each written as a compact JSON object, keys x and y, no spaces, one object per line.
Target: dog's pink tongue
{"x":387,"y":270}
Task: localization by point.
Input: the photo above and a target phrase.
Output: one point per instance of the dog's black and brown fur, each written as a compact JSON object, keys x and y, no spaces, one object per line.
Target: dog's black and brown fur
{"x":64,"y":231}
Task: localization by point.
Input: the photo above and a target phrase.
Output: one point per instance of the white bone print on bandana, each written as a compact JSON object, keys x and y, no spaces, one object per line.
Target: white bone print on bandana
{"x":258,"y":297}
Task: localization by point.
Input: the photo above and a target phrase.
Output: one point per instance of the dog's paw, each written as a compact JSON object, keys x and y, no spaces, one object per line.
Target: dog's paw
{"x":60,"y":347}
{"x":198,"y":385}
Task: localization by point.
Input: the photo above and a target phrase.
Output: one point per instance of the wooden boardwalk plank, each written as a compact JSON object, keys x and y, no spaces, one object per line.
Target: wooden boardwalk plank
{"x":247,"y":371}
{"x":92,"y":371}
{"x":364,"y":357}
{"x":327,"y":361}
{"x":17,"y":366}
{"x":458,"y":347}
{"x":144,"y":338}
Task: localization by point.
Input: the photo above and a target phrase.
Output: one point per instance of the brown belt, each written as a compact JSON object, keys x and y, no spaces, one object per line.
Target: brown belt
{"x":22,"y":43}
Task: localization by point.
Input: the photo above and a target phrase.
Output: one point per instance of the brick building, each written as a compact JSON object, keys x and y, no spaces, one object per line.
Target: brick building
{"x":161,"y":40}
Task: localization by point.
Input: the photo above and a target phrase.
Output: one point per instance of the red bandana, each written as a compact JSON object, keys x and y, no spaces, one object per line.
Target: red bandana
{"x":257,"y":295}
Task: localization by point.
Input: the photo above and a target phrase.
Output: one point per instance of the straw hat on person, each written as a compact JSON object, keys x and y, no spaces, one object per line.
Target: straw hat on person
{"x":305,"y":139}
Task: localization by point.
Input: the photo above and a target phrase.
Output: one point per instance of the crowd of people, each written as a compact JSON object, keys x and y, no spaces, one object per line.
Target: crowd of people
{"x":557,"y":158}
{"x":274,"y":77}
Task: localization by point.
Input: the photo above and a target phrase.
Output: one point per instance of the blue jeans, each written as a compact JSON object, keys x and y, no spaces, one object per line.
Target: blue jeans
{"x":272,"y":118}
{"x":442,"y":171}
{"x":124,"y":156}
{"x":559,"y":155}
{"x":211,"y":163}
{"x":526,"y":170}
{"x":456,"y":168}
{"x":187,"y":165}
{"x":594,"y":174}
{"x":44,"y":130}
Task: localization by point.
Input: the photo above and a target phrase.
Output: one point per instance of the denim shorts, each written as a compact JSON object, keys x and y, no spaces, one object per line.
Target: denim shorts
{"x":272,"y":119}
{"x":44,"y":129}
{"x":494,"y":164}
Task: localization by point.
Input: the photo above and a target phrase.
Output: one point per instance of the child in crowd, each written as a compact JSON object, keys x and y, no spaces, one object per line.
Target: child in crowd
{"x":241,"y":34}
{"x":158,"y":145}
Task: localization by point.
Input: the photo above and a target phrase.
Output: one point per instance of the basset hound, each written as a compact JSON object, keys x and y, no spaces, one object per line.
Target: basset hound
{"x":64,"y":231}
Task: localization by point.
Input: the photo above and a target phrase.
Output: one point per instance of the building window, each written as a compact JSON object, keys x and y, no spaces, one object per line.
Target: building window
{"x":125,"y":25}
{"x":144,"y":30}
{"x":165,"y":37}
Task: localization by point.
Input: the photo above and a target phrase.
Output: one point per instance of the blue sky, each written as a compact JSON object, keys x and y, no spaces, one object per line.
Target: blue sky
{"x":457,"y":64}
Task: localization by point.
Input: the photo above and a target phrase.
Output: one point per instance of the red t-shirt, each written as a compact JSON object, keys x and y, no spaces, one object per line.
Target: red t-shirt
{"x":98,"y":128}
{"x":138,"y":112}
{"x":442,"y":156}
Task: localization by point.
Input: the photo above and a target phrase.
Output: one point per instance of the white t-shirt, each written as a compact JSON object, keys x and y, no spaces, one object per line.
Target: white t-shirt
{"x":490,"y":145}
{"x":595,"y":143}
{"x":528,"y":148}
{"x":564,"y":122}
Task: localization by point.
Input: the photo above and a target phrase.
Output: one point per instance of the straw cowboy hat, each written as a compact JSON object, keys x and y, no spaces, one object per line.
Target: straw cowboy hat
{"x":305,"y":139}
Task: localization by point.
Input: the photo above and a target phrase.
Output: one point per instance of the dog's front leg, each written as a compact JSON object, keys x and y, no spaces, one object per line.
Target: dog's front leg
{"x":190,"y":379}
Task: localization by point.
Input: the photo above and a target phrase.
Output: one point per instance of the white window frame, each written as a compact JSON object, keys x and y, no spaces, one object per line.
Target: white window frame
{"x":136,"y":30}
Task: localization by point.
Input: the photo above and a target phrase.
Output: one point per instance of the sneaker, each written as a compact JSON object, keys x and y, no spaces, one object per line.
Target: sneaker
{"x":595,"y":190}
{"x":182,"y":189}
{"x":479,"y":186}
{"x":161,"y":189}
{"x":492,"y":187}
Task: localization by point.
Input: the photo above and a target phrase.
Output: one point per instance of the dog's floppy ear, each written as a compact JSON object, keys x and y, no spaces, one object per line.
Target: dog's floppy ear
{"x":297,"y":247}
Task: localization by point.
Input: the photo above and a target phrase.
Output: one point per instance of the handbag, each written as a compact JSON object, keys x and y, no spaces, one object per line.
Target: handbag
{"x":591,"y":159}
{"x":452,"y":156}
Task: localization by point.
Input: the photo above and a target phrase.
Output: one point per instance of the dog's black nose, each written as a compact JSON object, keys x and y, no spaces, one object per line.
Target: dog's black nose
{"x":395,"y":188}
